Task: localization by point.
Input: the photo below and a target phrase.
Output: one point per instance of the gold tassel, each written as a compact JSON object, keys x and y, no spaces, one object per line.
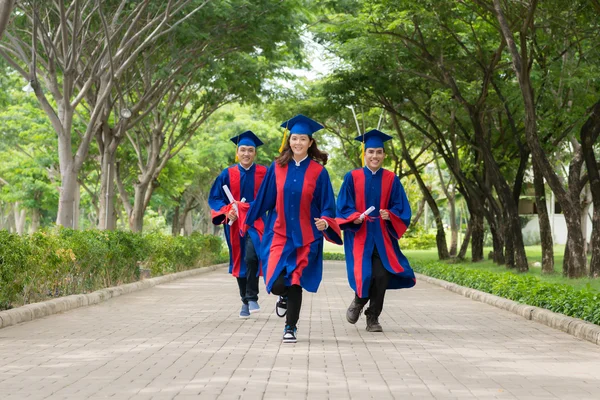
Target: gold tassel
{"x":362,"y":153}
{"x":283,"y":141}
{"x":237,"y":159}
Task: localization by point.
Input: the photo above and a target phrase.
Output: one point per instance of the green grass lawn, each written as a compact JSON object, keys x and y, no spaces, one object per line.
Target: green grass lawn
{"x":534,"y":254}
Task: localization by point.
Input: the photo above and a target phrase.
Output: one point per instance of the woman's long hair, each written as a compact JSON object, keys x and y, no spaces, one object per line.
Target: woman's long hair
{"x":313,"y":153}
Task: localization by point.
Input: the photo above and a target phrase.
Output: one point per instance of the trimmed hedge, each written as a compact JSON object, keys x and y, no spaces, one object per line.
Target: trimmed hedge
{"x":560,"y":298}
{"x":334,"y":256}
{"x":64,"y":261}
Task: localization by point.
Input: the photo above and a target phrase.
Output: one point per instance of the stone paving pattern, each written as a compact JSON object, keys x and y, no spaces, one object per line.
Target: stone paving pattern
{"x":184,"y":340}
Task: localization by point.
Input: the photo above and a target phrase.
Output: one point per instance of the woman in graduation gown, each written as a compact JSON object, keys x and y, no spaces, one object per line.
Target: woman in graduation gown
{"x":374,"y":261}
{"x":298,"y":197}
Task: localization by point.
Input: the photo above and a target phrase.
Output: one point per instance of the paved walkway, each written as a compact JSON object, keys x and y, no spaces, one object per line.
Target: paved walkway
{"x":183,"y":340}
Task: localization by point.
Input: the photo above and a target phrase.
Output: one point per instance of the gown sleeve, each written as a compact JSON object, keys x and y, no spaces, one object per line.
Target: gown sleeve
{"x":264,"y":201}
{"x":400,"y":212}
{"x":346,"y":205}
{"x":326,"y":202}
{"x":217,"y":200}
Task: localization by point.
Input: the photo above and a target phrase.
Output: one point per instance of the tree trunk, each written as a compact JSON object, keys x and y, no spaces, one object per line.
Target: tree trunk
{"x":6,"y":7}
{"x":419,"y":213}
{"x":576,"y":260}
{"x":76,"y":203}
{"x":19,"y":214}
{"x":509,"y":244}
{"x":586,"y":203}
{"x":453,"y":224}
{"x":544,"y":221}
{"x":477,"y":235}
{"x":515,"y":250}
{"x":440,"y":237}
{"x":595,"y":244}
{"x":498,"y":243}
{"x":187,"y":224}
{"x":35,"y":220}
{"x":136,"y":219}
{"x":176,"y":228}
{"x":107,"y":218}
{"x":465,"y":244}
{"x":589,"y":135}
{"x":66,"y":201}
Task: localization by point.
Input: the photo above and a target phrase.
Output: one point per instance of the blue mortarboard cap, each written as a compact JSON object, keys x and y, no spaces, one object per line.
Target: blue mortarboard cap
{"x":373,"y":139}
{"x":302,"y":125}
{"x":247,"y":138}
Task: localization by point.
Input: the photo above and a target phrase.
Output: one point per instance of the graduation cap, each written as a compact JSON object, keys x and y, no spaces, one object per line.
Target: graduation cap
{"x":372,"y":139}
{"x":247,"y":138}
{"x":301,"y":125}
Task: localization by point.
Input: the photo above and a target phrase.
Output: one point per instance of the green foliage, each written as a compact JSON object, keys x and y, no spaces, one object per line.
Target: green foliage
{"x":334,"y":256}
{"x":417,"y":238}
{"x":65,"y":261}
{"x":560,"y":298}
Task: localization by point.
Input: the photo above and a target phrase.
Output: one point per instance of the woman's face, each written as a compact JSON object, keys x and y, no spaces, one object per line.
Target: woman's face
{"x":300,"y":144}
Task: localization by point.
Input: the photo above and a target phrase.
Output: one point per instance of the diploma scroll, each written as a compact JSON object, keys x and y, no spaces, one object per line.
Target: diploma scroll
{"x":367,"y":212}
{"x":231,"y":200}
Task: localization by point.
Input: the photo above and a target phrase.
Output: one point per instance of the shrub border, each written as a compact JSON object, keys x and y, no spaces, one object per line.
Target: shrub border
{"x":33,"y":311}
{"x":576,"y":327}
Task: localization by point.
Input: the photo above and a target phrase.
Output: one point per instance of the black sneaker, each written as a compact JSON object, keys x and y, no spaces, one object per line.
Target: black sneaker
{"x":281,"y":306}
{"x":289,"y":334}
{"x":354,"y":311}
{"x":373,"y":324}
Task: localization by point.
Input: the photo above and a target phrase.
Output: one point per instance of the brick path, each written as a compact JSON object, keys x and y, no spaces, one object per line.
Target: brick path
{"x":183,"y":340}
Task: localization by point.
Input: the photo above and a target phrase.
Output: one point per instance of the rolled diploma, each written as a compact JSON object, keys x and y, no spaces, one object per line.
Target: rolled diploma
{"x":367,"y":212}
{"x":231,"y":200}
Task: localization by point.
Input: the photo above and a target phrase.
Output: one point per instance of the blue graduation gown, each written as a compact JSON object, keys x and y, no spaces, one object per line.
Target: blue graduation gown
{"x":242,"y":184}
{"x":294,"y":195}
{"x":360,"y":190}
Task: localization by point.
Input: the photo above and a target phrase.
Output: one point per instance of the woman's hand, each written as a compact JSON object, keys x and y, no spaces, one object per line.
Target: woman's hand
{"x":385,"y":214}
{"x":359,"y":221}
{"x":321,"y":224}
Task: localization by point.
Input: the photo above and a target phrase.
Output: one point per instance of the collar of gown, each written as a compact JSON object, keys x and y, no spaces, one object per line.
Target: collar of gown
{"x":300,"y":162}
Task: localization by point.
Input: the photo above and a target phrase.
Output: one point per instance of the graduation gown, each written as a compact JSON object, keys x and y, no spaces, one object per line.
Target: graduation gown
{"x":383,"y":190}
{"x":242,"y":184}
{"x":294,"y":195}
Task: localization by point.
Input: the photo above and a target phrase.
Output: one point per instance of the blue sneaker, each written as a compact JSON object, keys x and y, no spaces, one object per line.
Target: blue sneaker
{"x":289,"y":334}
{"x":245,"y":311}
{"x":253,"y":306}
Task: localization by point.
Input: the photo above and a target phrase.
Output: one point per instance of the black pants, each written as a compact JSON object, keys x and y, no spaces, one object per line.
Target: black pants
{"x":294,"y":299}
{"x":249,"y":285}
{"x":380,"y":278}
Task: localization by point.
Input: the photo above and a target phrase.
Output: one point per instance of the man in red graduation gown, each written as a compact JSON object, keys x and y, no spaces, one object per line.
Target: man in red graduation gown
{"x":374,"y":261}
{"x":243,"y":180}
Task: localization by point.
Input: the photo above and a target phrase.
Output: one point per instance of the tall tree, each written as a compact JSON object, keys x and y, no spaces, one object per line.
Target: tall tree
{"x":62,"y":50}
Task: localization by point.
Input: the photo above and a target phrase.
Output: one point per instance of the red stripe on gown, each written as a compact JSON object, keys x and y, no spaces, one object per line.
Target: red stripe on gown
{"x":234,"y":236}
{"x":360,"y":237}
{"x":387,"y":181}
{"x":259,"y":175}
{"x":306,"y":224}
{"x":301,"y":263}
{"x":308,"y":190}
{"x":279,"y":228}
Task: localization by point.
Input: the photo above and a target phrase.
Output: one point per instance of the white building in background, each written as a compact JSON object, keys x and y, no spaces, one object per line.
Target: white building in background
{"x":531,"y":231}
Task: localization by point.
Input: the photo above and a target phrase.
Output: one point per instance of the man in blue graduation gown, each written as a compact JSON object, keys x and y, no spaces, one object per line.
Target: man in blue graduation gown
{"x":374,"y":261}
{"x":243,"y":180}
